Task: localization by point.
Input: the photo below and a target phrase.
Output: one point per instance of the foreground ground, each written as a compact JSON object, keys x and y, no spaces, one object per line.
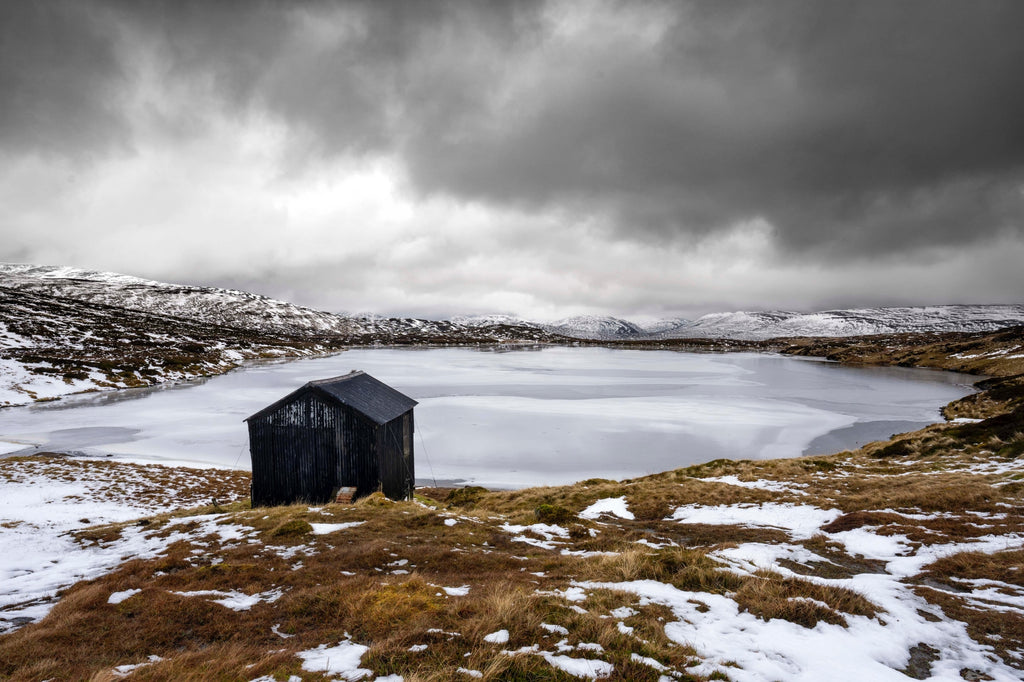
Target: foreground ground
{"x":901,"y":560}
{"x":865,"y":565}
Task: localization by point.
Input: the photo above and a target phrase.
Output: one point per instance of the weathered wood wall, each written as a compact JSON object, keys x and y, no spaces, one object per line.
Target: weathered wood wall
{"x":295,"y":452}
{"x":305,"y":450}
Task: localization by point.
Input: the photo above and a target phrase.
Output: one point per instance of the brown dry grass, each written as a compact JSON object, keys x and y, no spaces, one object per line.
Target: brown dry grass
{"x":769,"y":595}
{"x":1006,"y":567}
{"x":199,"y":639}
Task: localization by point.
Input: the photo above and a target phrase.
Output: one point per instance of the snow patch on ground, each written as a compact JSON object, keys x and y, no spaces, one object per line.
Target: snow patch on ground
{"x":774,"y":486}
{"x":342,"y":659}
{"x":869,"y":649}
{"x":551,"y":534}
{"x":326,"y":528}
{"x":556,"y":629}
{"x":118,"y":597}
{"x":616,"y":506}
{"x":499,"y":637}
{"x":19,"y":386}
{"x":801,"y":521}
{"x":234,"y":600}
{"x":580,"y":667}
{"x":44,"y":503}
{"x":456,"y":591}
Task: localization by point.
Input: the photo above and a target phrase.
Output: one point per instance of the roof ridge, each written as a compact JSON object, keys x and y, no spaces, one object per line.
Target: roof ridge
{"x":342,"y":377}
{"x":362,"y":392}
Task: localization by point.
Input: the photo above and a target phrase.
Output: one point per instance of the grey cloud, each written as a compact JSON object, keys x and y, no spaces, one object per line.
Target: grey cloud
{"x":853,"y":127}
{"x":60,"y":80}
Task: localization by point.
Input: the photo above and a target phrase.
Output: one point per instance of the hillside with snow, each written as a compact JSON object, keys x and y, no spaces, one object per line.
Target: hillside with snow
{"x":65,"y":330}
{"x":51,"y":346}
{"x":763,"y":325}
{"x":222,"y":307}
{"x":594,"y":327}
{"x":854,"y":322}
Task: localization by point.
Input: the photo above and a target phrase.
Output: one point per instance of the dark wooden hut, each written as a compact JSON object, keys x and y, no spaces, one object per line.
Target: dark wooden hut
{"x":350,"y":431}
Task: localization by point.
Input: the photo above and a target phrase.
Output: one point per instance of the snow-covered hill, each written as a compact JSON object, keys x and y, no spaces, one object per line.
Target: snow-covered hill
{"x":662,"y":326}
{"x":65,"y":330}
{"x":854,"y":322}
{"x":223,"y":307}
{"x":487,"y":320}
{"x":762,"y":325}
{"x":261,"y":315}
{"x":52,"y":346}
{"x":594,"y":327}
{"x":249,"y":312}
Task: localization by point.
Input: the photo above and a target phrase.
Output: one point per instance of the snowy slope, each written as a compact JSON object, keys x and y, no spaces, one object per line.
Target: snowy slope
{"x":65,"y":330}
{"x":594,"y":327}
{"x":662,"y":326}
{"x":486,"y":320}
{"x":51,"y":346}
{"x":761,"y":325}
{"x":249,"y":312}
{"x":224,"y":307}
{"x":854,"y":322}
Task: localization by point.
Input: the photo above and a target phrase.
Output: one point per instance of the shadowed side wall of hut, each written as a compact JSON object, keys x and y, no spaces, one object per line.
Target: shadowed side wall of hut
{"x":395,"y":448}
{"x":359,"y":467}
{"x":297,"y":452}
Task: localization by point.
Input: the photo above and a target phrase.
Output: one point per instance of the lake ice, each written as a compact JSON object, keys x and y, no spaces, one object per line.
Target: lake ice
{"x":522,"y":417}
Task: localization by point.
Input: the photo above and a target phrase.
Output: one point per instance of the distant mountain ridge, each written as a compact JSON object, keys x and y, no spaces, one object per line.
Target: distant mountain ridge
{"x":252,"y":312}
{"x":66,"y":330}
{"x":764,"y":325}
{"x":245,"y":311}
{"x":756,"y":326}
{"x":224,"y":307}
{"x":594,"y":327}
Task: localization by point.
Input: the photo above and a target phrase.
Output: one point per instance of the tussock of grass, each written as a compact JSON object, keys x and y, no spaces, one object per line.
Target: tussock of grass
{"x":687,"y":569}
{"x":292,"y":528}
{"x":553,"y":513}
{"x":769,"y":595}
{"x":1005,"y":567}
{"x":465,"y":497}
{"x":927,"y":492}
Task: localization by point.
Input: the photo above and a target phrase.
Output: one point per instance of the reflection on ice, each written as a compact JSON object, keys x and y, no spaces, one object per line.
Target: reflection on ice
{"x":526,"y":417}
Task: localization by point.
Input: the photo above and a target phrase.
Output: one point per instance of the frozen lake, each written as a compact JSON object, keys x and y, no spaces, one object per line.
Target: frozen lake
{"x":523,"y":417}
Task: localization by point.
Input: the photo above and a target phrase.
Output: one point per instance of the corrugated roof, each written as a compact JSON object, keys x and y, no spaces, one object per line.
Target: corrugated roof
{"x":360,"y":391}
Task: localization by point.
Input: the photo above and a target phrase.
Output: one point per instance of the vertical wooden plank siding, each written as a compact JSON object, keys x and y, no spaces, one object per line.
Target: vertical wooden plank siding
{"x":395,"y":447}
{"x":306,"y":449}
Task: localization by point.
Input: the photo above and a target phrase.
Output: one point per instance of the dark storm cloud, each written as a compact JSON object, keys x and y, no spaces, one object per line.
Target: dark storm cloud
{"x":59,"y":79}
{"x":856,"y":126}
{"x":852,"y":127}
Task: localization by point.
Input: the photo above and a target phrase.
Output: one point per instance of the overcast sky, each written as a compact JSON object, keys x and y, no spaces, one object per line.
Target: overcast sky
{"x":536,"y":158}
